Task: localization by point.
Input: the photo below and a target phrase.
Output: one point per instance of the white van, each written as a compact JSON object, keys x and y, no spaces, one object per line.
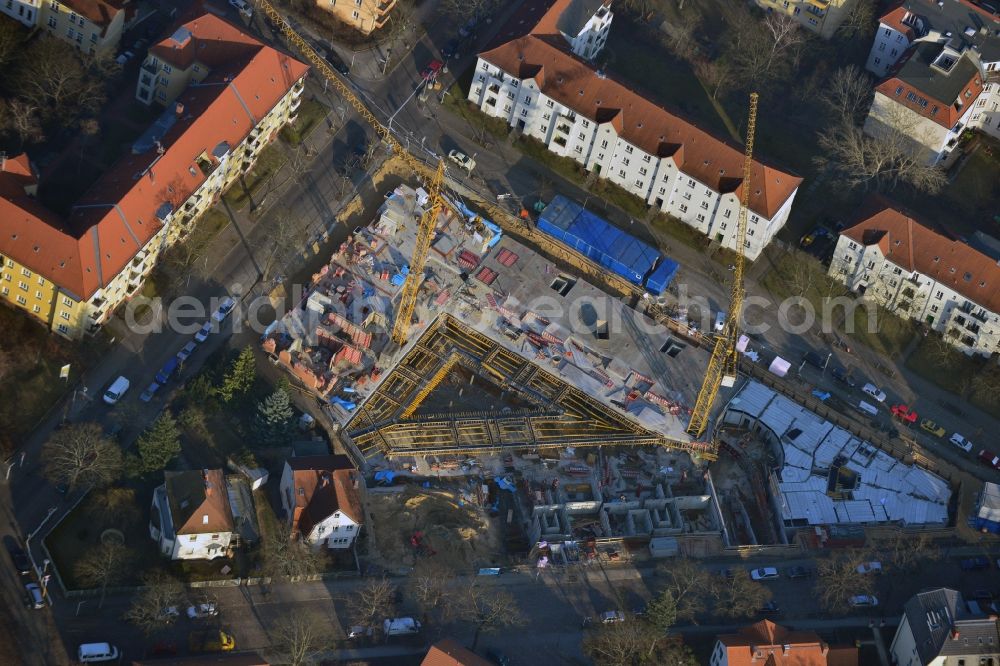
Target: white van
{"x":720,"y":321}
{"x":400,"y":626}
{"x":867,"y":408}
{"x":116,"y":390}
{"x":95,"y":652}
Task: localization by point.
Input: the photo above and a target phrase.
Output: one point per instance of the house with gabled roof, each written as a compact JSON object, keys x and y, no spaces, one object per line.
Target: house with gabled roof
{"x":191,"y":516}
{"x":770,"y":644}
{"x":892,"y":259}
{"x":321,"y":497}
{"x":938,"y":65}
{"x":939,"y":629}
{"x":539,"y":86}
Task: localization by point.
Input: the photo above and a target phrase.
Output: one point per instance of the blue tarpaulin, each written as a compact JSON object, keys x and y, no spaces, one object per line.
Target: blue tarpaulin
{"x":569,"y":222}
{"x":504,"y":484}
{"x":386,"y":475}
{"x":346,"y":404}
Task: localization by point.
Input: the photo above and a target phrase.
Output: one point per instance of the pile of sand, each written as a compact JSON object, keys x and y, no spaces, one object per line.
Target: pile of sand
{"x":459,"y":533}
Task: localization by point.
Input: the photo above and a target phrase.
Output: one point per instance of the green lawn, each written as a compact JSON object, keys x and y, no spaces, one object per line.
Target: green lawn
{"x":891,"y":335}
{"x":271,"y":159}
{"x":309,"y":113}
{"x":974,"y":379}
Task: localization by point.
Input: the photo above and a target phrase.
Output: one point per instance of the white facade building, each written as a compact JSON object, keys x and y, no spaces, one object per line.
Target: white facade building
{"x":939,"y":629}
{"x":321,"y":497}
{"x":613,"y":132}
{"x":914,"y":272}
{"x":191,"y":517}
{"x":953,"y":65}
{"x":24,"y":11}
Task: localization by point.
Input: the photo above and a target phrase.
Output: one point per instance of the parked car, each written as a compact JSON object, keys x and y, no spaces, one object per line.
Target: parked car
{"x":339,"y":65}
{"x":168,"y":369}
{"x":242,"y":6}
{"x":932,"y":427}
{"x":904,"y":413}
{"x":842,"y":376}
{"x":124,"y":57}
{"x":874,"y":391}
{"x":798,"y":572}
{"x":117,"y":389}
{"x":202,"y":611}
{"x":863,"y":601}
{"x":34,"y":596}
{"x":212,"y":640}
{"x":450,"y":49}
{"x":764,"y":573}
{"x":432,"y":70}
{"x":770,"y":608}
{"x":462,"y":160}
{"x":186,"y":351}
{"x":873,"y":567}
{"x":961,"y":442}
{"x":224,"y":309}
{"x":612,"y":616}
{"x":815,"y":360}
{"x":203,"y":332}
{"x":978,"y":563}
{"x":150,"y":391}
{"x":989,"y":458}
{"x":17,"y":556}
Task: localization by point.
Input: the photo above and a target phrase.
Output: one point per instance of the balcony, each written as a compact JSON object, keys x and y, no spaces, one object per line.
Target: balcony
{"x":384,"y":6}
{"x":148,"y":67}
{"x":564,"y":128}
{"x":977,"y":313}
{"x":494,"y":88}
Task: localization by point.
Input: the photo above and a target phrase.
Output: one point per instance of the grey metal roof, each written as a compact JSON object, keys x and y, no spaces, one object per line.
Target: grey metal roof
{"x":576,"y":15}
{"x":942,"y":626}
{"x":957,"y":18}
{"x":943,"y":86}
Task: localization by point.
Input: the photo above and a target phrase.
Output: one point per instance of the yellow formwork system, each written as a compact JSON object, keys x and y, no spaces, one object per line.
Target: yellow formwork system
{"x":430,"y":385}
{"x":724,"y":362}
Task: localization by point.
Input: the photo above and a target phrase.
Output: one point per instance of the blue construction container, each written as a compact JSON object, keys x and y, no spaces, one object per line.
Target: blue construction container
{"x":567,"y":221}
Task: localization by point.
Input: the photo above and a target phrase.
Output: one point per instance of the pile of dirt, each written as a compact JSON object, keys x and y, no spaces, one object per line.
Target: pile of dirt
{"x":454,"y":530}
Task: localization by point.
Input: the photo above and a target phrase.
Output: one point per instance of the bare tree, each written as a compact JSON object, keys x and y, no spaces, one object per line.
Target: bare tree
{"x":58,"y":82}
{"x":149,"y":609}
{"x":859,"y":21}
{"x":838,"y":580}
{"x":635,"y":642}
{"x":464,"y":10}
{"x":905,"y":552}
{"x":284,"y":555}
{"x":761,"y":52}
{"x":489,"y":608}
{"x":429,"y":587}
{"x":848,"y":94}
{"x":713,"y":74}
{"x":739,"y":596}
{"x":114,"y":506}
{"x":877,"y":162}
{"x":21,"y":119}
{"x":375,"y":601}
{"x":300,"y":638}
{"x":690,"y":585}
{"x":103,"y":565}
{"x":680,"y":36}
{"x":82,"y":455}
{"x":11,"y":37}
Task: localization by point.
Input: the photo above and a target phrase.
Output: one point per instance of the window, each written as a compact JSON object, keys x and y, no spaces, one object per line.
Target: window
{"x":52,"y":21}
{"x":356,"y":15}
{"x":527,"y":99}
{"x":579,"y":149}
{"x":701,"y":218}
{"x":41,"y":282}
{"x":585,"y":123}
{"x":877,"y":60}
{"x":628,"y":150}
{"x":704,"y":205}
{"x":690,"y":183}
{"x":663,"y":190}
{"x":62,"y":328}
{"x":750,"y":233}
{"x":23,"y":286}
{"x":646,"y":158}
{"x":888,"y":32}
{"x":934,"y":308}
{"x":71,"y":33}
{"x":638,"y":183}
{"x":4,"y":291}
{"x":727,"y":213}
{"x":510,"y":94}
{"x":22,"y":300}
{"x":683,"y":208}
{"x":625,"y":161}
{"x":687,"y":196}
{"x":486,"y":68}
{"x":72,"y":17}
{"x":349,"y":528}
{"x":893,"y":52}
{"x":548,"y":102}
{"x":621,"y":173}
{"x":524,"y":113}
{"x":93,"y":37}
{"x":67,"y":301}
{"x":193,"y":537}
{"x":64,"y":315}
{"x":899,"y":90}
{"x":939,"y":295}
{"x":167,"y":69}
{"x":642,"y":171}
{"x":582,"y":136}
{"x":36,"y":309}
{"x":881,"y":47}
{"x":604,"y":144}
{"x":38,"y":295}
{"x":79,"y":38}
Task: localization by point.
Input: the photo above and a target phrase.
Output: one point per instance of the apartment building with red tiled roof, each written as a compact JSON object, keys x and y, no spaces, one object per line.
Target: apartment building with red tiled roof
{"x":88,"y":263}
{"x":770,"y":644}
{"x":892,"y":259}
{"x":938,"y":65}
{"x":94,"y":27}
{"x":543,"y":91}
{"x":365,"y":16}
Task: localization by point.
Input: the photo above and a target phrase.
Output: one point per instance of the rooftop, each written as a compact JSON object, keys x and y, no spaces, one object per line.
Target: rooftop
{"x":942,"y":626}
{"x":115,"y":219}
{"x":940,"y":85}
{"x":912,"y":246}
{"x":98,"y":12}
{"x":653,"y":129}
{"x":450,"y":653}
{"x":962,"y":23}
{"x":323,"y":485}
{"x":199,"y":501}
{"x":829,"y":476}
{"x":771,"y":644}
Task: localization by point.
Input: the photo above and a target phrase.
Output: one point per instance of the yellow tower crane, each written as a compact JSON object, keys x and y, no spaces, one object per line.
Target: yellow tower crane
{"x":436,"y":202}
{"x":722,"y":366}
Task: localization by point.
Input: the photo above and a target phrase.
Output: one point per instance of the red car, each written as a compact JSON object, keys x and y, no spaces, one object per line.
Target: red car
{"x":904,"y":413}
{"x":432,"y":70}
{"x":989,"y":458}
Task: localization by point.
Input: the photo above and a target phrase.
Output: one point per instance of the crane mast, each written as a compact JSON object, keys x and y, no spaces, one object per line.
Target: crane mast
{"x":724,"y":362}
